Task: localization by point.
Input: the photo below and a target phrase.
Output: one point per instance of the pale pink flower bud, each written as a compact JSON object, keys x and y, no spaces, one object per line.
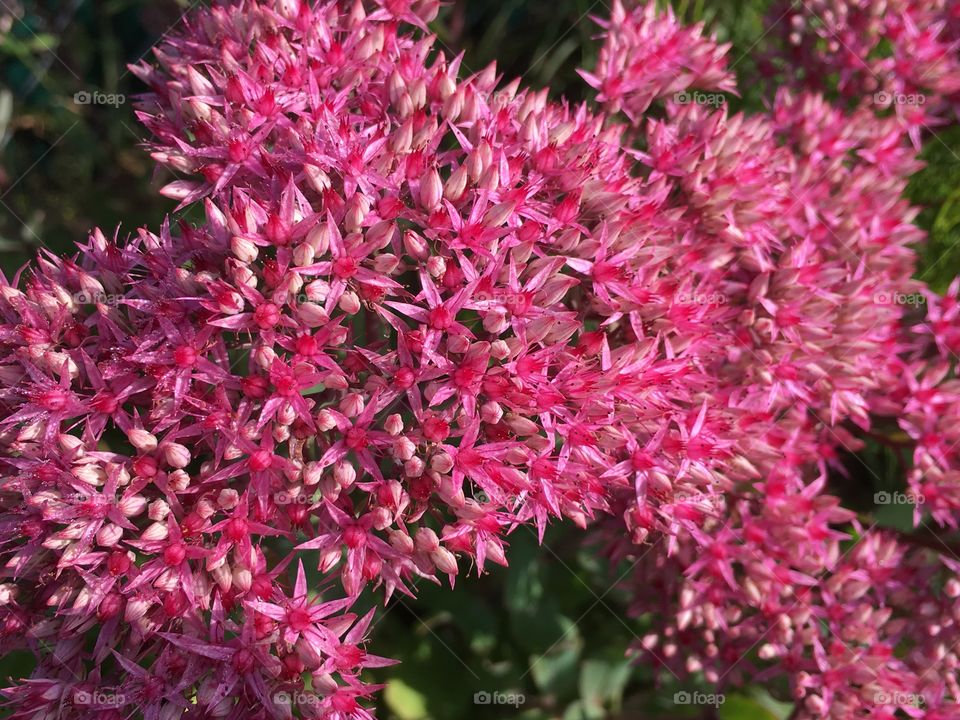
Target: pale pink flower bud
{"x":349,"y":303}
{"x":441,"y":463}
{"x":132,"y":505}
{"x":244,"y":250}
{"x":242,"y":579}
{"x":329,"y":559}
{"x":436,"y":266}
{"x":142,"y":440}
{"x":136,"y":609}
{"x":394,"y":424}
{"x":312,"y":472}
{"x":403,"y":448}
{"x":176,"y":455}
{"x":109,"y":535}
{"x":445,"y":561}
{"x":312,"y":315}
{"x":228,"y":499}
{"x":491,"y":412}
{"x":431,"y":189}
{"x":303,"y":254}
{"x":521,"y":425}
{"x":401,"y":542}
{"x":154,"y":532}
{"x":426,"y":540}
{"x":413,"y":467}
{"x":415,"y":245}
{"x":352,"y":405}
{"x":326,"y":420}
{"x":456,"y":184}
{"x":158,"y":510}
{"x":345,"y":474}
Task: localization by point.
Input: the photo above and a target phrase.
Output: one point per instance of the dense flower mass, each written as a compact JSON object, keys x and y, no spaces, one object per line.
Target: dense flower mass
{"x":899,"y":55}
{"x":424,"y":309}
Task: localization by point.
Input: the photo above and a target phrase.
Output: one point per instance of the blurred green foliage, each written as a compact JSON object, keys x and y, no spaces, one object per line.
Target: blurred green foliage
{"x":550,"y":630}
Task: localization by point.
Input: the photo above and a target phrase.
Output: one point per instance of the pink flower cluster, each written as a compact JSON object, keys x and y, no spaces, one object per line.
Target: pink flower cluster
{"x":893,"y":54}
{"x":422,"y":311}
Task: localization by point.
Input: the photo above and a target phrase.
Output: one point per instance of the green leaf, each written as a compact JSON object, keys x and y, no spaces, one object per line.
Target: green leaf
{"x":404,"y":701}
{"x":555,"y":673}
{"x":602,"y":683}
{"x":898,"y":516}
{"x":742,"y":707}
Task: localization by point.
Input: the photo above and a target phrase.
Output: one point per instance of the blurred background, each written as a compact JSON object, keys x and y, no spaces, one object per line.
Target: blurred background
{"x":548,"y":638}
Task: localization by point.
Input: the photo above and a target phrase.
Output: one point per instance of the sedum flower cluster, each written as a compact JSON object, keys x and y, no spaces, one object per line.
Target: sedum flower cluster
{"x":424,"y":307}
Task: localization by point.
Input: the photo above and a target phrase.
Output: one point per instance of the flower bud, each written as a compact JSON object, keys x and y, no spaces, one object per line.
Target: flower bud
{"x":109,"y":535}
{"x":394,"y":424}
{"x":176,"y":455}
{"x":445,"y":561}
{"x":426,"y":540}
{"x":431,"y":189}
{"x":132,"y":505}
{"x":244,"y":250}
{"x":349,"y":303}
{"x":142,"y":440}
{"x":345,"y":474}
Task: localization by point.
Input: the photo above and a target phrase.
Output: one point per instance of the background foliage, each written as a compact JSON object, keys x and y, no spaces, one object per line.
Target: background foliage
{"x":548,"y":629}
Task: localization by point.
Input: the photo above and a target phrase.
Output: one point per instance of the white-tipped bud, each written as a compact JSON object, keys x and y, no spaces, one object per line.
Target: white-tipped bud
{"x":132,"y":505}
{"x":156,"y":531}
{"x":426,"y":540}
{"x":441,"y":463}
{"x":349,"y":303}
{"x":142,"y":440}
{"x":445,"y":561}
{"x":345,"y":474}
{"x":312,"y":315}
{"x":431,"y":189}
{"x":436,"y":266}
{"x":109,"y":535}
{"x":244,"y":250}
{"x":176,"y":455}
{"x":491,"y":412}
{"x":394,"y":424}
